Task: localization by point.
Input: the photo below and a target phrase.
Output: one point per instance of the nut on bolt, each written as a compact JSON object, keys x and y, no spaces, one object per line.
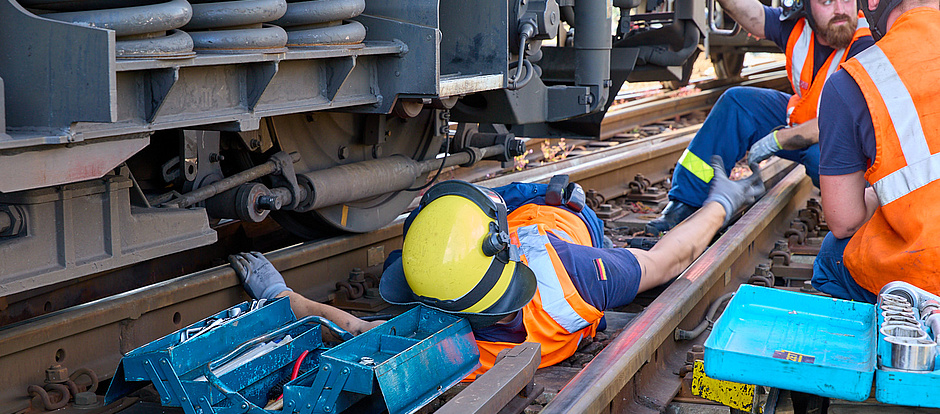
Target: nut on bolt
{"x":12,"y":220}
{"x":57,"y":374}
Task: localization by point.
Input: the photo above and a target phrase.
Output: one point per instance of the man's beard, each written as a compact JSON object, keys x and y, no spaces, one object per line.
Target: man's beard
{"x":839,"y":37}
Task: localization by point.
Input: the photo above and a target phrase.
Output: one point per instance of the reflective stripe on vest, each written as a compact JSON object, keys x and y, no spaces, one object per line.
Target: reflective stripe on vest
{"x":696,"y":166}
{"x":800,"y":53}
{"x":804,"y":104}
{"x":922,"y":167}
{"x":534,"y":247}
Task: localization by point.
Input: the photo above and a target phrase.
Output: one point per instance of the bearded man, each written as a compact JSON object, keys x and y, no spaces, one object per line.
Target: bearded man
{"x":816,"y":37}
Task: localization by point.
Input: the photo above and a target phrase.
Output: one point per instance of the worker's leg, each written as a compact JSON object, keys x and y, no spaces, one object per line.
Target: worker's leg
{"x":741,"y":116}
{"x":831,"y":276}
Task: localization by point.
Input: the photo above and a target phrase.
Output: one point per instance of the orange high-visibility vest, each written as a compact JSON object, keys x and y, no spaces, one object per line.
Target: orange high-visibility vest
{"x":898,"y":77}
{"x":804,"y":103}
{"x":557,"y":317}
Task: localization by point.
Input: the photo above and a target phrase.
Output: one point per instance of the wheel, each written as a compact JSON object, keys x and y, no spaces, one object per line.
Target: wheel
{"x":727,"y":65}
{"x":324,"y":140}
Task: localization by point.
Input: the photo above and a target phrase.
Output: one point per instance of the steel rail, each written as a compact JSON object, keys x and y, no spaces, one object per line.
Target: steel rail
{"x":625,"y":117}
{"x":594,"y":389}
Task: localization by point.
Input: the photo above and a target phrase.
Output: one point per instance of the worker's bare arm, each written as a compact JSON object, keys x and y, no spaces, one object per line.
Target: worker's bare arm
{"x":748,"y":13}
{"x":799,"y":136}
{"x":847,"y":202}
{"x":305,"y":307}
{"x":679,"y":247}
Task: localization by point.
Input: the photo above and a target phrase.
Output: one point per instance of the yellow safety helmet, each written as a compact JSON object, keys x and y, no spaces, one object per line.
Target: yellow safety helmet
{"x":457,"y":257}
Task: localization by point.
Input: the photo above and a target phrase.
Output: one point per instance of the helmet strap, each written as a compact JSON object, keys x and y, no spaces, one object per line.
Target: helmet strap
{"x":483,"y":287}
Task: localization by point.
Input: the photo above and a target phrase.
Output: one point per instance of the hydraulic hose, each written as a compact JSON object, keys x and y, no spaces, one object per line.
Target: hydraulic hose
{"x":683,"y":335}
{"x":662,"y":55}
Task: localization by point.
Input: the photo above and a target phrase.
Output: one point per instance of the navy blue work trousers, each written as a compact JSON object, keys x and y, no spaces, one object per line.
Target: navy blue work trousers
{"x":741,"y":117}
{"x":831,"y":276}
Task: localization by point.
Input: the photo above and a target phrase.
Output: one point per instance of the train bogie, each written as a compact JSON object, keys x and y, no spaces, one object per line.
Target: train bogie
{"x":130,"y":126}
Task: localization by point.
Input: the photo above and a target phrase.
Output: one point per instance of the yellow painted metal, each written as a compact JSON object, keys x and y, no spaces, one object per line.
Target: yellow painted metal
{"x":732,"y":394}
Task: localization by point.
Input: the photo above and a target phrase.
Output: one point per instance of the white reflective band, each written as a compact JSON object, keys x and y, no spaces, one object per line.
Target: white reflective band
{"x":800,"y":54}
{"x":833,"y":67}
{"x":534,"y":248}
{"x":862,"y":23}
{"x":907,"y":179}
{"x":900,"y":105}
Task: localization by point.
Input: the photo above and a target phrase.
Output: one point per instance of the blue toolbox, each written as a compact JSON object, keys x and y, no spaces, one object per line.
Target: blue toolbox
{"x":259,"y":358}
{"x":831,"y":347}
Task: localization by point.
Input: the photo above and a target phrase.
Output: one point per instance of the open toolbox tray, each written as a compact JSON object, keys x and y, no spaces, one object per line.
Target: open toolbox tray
{"x":813,"y":344}
{"x":405,"y":362}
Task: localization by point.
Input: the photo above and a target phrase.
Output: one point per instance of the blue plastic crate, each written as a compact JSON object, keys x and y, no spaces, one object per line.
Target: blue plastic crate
{"x":795,"y":341}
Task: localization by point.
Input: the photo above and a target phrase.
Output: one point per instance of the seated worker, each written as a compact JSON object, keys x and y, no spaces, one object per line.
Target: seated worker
{"x":520,"y":270}
{"x":762,"y":122}
{"x":879,"y":167}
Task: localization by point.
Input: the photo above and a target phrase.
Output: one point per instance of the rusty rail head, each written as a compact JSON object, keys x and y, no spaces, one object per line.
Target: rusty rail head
{"x":593,"y":389}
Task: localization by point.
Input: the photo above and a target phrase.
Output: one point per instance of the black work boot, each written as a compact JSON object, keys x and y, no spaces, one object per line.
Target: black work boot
{"x":673,"y":214}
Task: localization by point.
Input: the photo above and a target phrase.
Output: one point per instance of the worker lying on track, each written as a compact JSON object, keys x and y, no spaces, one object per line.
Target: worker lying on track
{"x":880,"y":125}
{"x":763,"y":122}
{"x":262,"y":281}
{"x":487,"y":254}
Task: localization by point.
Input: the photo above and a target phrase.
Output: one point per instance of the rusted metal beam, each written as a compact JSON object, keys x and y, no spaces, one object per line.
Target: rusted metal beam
{"x":496,"y":389}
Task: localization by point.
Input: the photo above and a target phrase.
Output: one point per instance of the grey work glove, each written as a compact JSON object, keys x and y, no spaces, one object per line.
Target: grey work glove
{"x":763,"y":148}
{"x":259,"y":277}
{"x":734,"y":195}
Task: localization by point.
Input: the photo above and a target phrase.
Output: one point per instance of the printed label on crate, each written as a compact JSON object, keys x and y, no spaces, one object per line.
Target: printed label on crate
{"x":795,"y":357}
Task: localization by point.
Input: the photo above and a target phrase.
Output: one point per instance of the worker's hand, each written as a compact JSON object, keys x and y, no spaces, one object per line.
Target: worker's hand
{"x":259,"y":277}
{"x":763,"y":148}
{"x":734,"y":195}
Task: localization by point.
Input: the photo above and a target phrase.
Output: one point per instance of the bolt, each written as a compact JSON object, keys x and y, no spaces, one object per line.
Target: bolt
{"x":267,"y":202}
{"x":762,"y":269}
{"x":445,"y":116}
{"x":606,"y":208}
{"x":343,"y":152}
{"x":445,"y":129}
{"x":255,"y":143}
{"x":328,"y":408}
{"x":57,"y":374}
{"x":12,"y":220}
{"x":372,"y":293}
{"x":698,"y":348}
{"x":356,"y":275}
{"x":85,"y":399}
{"x":781,"y":245}
{"x":213,"y":157}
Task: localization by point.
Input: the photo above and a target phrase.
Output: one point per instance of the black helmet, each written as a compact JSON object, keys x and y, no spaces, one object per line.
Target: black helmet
{"x":794,"y":9}
{"x":878,"y":18}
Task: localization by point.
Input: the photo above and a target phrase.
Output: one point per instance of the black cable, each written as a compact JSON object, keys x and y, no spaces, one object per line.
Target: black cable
{"x":439,"y":169}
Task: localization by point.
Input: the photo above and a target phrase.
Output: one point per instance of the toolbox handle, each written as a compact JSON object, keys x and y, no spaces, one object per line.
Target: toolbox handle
{"x":343,"y":334}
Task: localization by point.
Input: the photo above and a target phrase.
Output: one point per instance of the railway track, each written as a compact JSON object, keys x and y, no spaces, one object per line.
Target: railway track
{"x":95,"y":334}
